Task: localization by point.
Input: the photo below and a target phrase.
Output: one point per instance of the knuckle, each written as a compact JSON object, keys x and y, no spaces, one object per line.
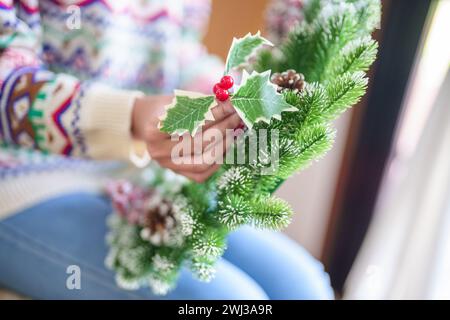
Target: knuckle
{"x":228,"y":108}
{"x":234,"y":121}
{"x":205,"y":147}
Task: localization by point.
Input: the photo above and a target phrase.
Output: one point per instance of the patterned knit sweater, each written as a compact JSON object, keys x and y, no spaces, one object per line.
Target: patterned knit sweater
{"x":69,"y":73}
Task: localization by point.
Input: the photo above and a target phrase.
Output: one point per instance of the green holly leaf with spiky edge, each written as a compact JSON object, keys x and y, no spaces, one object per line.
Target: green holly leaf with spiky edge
{"x":187,"y":112}
{"x":257,"y":99}
{"x":242,"y":49}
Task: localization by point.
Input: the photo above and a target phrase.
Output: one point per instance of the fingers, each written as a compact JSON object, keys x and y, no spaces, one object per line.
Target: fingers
{"x":197,"y":157}
{"x":198,"y":167}
{"x":220,"y":112}
{"x":216,"y":134}
{"x":151,"y":132}
{"x":231,"y":122}
{"x":219,"y":133}
{"x":197,"y":173}
{"x":194,"y":163}
{"x":200,"y":177}
{"x":221,"y":145}
{"x":223,"y":110}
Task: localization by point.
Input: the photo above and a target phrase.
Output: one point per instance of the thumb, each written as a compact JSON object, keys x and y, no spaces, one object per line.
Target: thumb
{"x":223,"y":110}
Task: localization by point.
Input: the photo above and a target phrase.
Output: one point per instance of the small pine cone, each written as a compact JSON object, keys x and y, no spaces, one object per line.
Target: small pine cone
{"x":158,"y":222}
{"x":289,"y":80}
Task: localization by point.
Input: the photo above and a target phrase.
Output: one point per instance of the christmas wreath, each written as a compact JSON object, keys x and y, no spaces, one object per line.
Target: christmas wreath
{"x":287,"y":97}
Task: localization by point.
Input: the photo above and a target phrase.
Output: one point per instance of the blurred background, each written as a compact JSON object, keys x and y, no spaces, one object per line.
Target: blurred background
{"x":376,"y":209}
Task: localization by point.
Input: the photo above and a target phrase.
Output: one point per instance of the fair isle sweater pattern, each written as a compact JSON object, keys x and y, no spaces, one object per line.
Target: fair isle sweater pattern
{"x":64,"y":91}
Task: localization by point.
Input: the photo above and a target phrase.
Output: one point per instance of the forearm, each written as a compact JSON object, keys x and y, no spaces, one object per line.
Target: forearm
{"x":57,"y":113}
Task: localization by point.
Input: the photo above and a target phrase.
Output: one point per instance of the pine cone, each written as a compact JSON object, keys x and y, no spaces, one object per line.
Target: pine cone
{"x":289,"y":80}
{"x":159,"y":221}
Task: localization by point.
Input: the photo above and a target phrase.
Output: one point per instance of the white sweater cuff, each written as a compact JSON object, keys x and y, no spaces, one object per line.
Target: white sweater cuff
{"x":105,"y":119}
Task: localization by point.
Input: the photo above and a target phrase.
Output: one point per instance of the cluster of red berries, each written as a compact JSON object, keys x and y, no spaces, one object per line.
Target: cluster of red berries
{"x":221,"y":89}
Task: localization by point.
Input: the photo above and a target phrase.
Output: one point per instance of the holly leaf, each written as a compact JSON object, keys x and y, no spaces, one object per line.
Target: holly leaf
{"x":242,"y":49}
{"x":257,"y":99}
{"x":187,"y":112}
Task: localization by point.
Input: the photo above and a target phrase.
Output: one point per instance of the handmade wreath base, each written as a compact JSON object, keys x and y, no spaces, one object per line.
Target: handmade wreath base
{"x":164,"y":222}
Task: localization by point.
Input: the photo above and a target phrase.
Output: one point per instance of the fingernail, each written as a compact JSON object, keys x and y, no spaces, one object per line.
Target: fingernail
{"x":241,"y":125}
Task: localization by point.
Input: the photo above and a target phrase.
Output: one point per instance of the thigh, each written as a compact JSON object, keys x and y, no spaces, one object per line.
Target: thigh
{"x":230,"y":283}
{"x":280,"y":266}
{"x":39,"y":244}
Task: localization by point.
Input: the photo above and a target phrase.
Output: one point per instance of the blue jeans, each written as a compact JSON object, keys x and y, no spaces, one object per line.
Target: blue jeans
{"x":38,"y":244}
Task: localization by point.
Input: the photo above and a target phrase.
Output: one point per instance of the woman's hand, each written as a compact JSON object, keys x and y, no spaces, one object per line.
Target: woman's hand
{"x":198,"y":167}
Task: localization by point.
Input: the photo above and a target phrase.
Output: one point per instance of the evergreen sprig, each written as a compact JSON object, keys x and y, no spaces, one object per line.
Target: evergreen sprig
{"x":333,"y":48}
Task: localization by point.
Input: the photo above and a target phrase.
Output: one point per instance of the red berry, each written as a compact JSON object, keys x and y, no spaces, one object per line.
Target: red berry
{"x":226,"y":82}
{"x":216,"y":87}
{"x":222,"y":94}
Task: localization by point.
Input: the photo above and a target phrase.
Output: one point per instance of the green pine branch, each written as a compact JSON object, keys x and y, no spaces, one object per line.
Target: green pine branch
{"x":313,"y":48}
{"x":270,"y":213}
{"x":311,"y":144}
{"x":342,"y":93}
{"x":357,"y":55}
{"x":312,"y":9}
{"x":333,"y":49}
